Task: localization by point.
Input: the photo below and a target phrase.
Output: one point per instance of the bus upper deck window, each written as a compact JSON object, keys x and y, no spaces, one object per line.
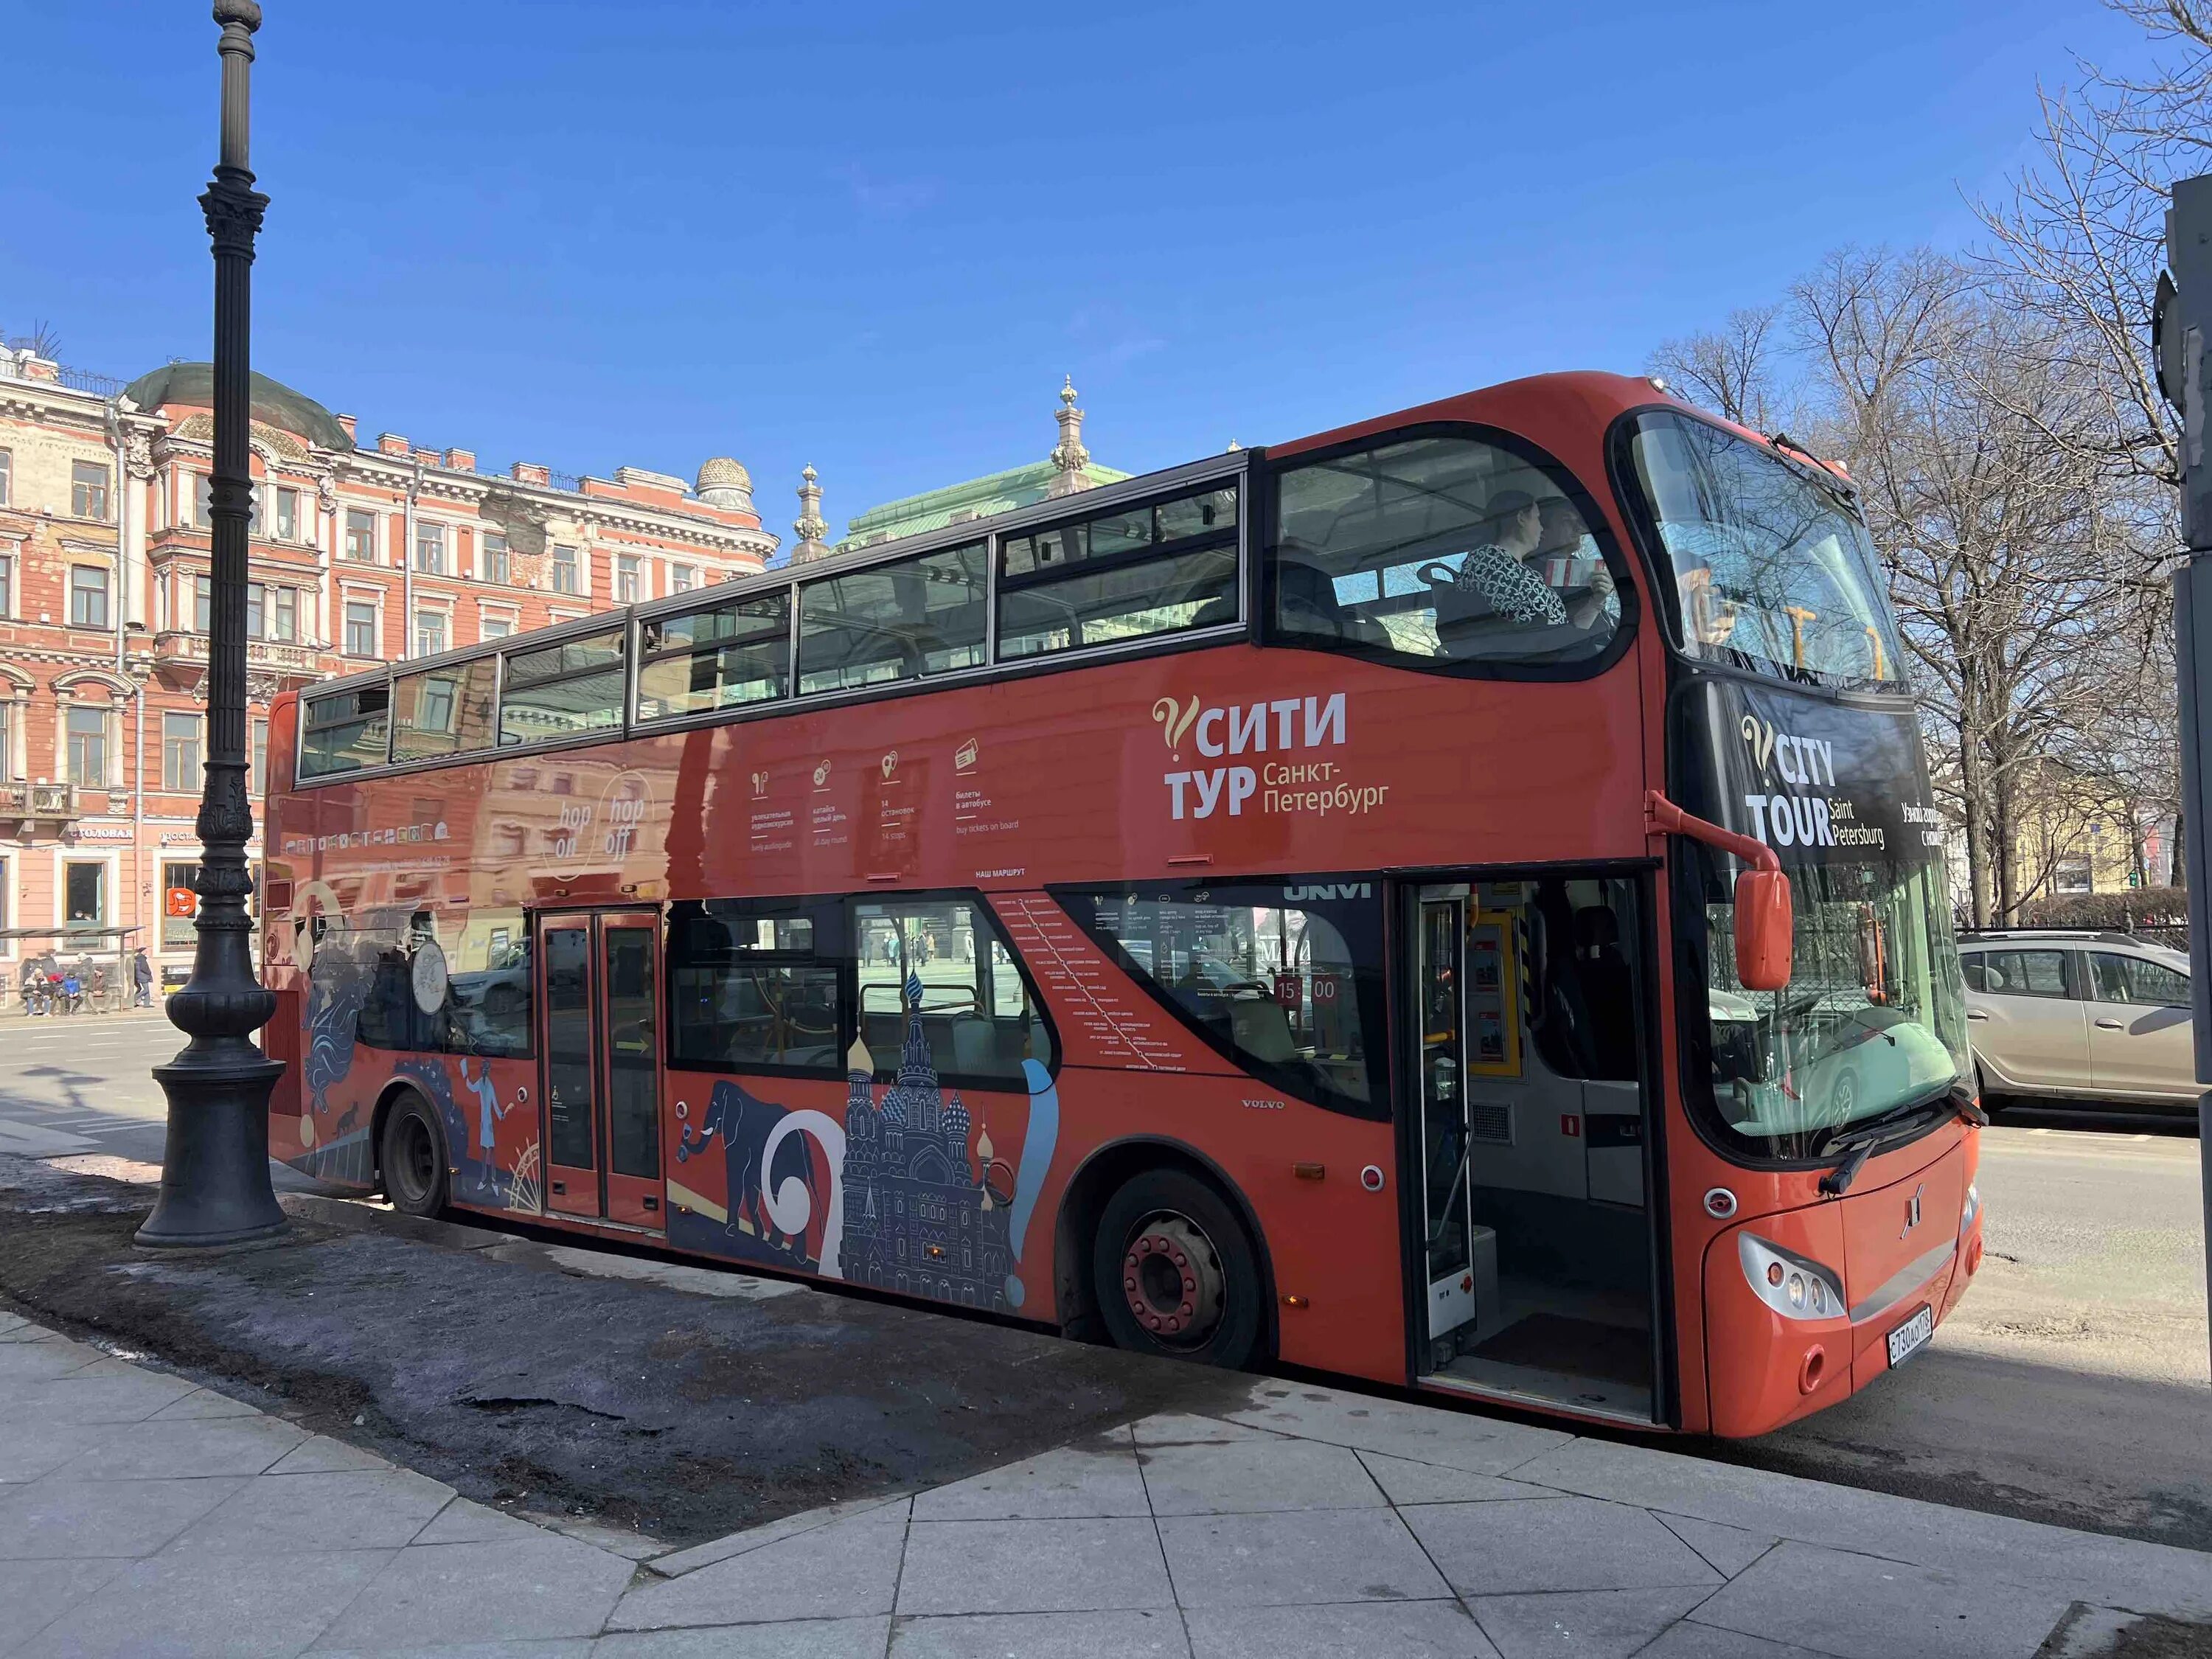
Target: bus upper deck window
{"x":1452,"y":551}
{"x":1126,"y":575}
{"x":344,"y":731}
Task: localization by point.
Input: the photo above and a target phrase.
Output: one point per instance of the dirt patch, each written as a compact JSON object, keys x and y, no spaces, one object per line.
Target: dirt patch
{"x":682,"y":1416}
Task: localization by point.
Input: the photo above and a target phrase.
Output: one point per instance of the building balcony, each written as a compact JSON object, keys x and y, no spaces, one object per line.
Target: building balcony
{"x":175,"y":648}
{"x":55,"y":801}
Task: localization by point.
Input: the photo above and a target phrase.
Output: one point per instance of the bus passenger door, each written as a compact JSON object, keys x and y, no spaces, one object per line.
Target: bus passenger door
{"x":600,"y":1084}
{"x":1527,"y":1093}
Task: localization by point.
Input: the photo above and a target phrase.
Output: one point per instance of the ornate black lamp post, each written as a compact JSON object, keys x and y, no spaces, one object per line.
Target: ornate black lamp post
{"x":215,"y":1174}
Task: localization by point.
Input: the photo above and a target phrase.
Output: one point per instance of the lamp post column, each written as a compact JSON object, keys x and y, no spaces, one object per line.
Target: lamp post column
{"x":214,"y":1173}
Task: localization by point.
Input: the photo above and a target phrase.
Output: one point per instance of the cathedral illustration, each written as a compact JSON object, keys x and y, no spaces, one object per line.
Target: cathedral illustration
{"x":918,"y":1217}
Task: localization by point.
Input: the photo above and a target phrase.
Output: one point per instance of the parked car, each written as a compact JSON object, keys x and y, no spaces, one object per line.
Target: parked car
{"x":2100,"y":1018}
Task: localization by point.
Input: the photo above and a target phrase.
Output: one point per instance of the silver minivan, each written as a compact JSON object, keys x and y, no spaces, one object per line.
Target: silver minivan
{"x":2094,"y":1017}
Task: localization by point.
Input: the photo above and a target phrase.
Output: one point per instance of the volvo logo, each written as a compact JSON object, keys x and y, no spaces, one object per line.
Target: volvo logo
{"x":1912,"y":1209}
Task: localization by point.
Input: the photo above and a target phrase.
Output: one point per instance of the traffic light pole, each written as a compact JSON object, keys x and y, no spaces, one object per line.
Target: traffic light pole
{"x":2179,"y":337}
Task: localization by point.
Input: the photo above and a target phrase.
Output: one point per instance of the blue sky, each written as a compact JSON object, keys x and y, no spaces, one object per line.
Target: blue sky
{"x":873,"y":236}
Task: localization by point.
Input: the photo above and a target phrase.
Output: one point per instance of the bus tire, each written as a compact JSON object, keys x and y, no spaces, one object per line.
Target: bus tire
{"x":1176,"y":1274}
{"x":414,"y":1156}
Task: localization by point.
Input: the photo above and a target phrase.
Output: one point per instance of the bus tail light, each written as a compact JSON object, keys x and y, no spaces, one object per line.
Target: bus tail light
{"x":1794,"y":1287}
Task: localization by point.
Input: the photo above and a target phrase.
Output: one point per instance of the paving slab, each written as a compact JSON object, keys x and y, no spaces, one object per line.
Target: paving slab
{"x":211,"y":1607}
{"x":285,"y":1513}
{"x":1405,"y":1481}
{"x":62,"y":1518}
{"x":1522,"y":1546}
{"x":1032,"y":1567}
{"x":38,"y":1361}
{"x":1073,"y":1482}
{"x":1480,"y":1445}
{"x":319,"y":1454}
{"x":1585,"y":1624}
{"x":1185,"y":1428}
{"x":848,"y":1569}
{"x":205,"y":1402}
{"x":1295,"y":1558}
{"x":1858,"y":1608}
{"x":94,"y":1395}
{"x":533,"y":1588}
{"x":195,"y":1446}
{"x":1355,"y":1630}
{"x":1730,"y":1549}
{"x":808,"y":1639}
{"x":675,"y":1562}
{"x":573,"y":1647}
{"x":30,"y":1450}
{"x":1691,"y":1640}
{"x":464,"y":1522}
{"x":1253,"y":1475}
{"x":33,"y":1594}
{"x":1127,"y":1634}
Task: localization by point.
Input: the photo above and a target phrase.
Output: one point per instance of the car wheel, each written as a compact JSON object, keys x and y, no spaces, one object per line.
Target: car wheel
{"x":1176,"y":1274}
{"x":414,"y":1157}
{"x":1844,"y":1098}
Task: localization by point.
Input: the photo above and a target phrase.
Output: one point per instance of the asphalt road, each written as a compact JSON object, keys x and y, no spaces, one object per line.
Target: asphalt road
{"x":2070,"y":1386}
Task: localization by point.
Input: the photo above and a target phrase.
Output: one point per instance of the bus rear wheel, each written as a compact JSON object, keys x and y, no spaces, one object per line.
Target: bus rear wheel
{"x":1176,"y":1274}
{"x":414,"y":1156}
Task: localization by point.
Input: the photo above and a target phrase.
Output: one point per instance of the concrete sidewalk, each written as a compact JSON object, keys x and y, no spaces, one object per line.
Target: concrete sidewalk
{"x":140,"y":1514}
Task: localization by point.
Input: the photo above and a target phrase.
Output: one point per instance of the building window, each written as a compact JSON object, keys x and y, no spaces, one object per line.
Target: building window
{"x":7,"y":749}
{"x":494,"y":627}
{"x":179,"y":931}
{"x":180,"y":754}
{"x":202,"y":604}
{"x":360,"y":628}
{"x":495,"y":567}
{"x":360,"y":536}
{"x":88,"y":490}
{"x":626,"y":579}
{"x":7,"y":477}
{"x":88,"y":596}
{"x":271,"y":613}
{"x":6,"y":586}
{"x":430,"y":549}
{"x":87,"y":756}
{"x":257,"y":758}
{"x":84,"y":895}
{"x":288,"y":516}
{"x":681,"y":577}
{"x":565,"y":570}
{"x":430,"y":632}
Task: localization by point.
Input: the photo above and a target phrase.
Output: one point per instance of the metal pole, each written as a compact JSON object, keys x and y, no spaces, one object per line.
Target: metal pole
{"x":2180,"y":327}
{"x":214,"y":1171}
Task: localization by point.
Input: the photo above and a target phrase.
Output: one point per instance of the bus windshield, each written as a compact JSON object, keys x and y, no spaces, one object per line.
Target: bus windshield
{"x":1772,"y":570}
{"x":1873,"y":1018}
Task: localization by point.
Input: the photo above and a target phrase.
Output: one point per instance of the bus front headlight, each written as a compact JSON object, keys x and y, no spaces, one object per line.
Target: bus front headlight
{"x":1794,"y":1287}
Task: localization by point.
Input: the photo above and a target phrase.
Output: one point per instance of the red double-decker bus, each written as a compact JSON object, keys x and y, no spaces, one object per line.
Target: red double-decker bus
{"x":1454,"y":900}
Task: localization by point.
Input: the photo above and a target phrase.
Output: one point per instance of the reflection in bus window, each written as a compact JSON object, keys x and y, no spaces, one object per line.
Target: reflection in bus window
{"x":563,"y":690}
{"x":443,"y":711}
{"x":938,"y":959}
{"x":485,"y":960}
{"x":1287,"y":984}
{"x":754,"y":984}
{"x":1771,"y":569}
{"x":1446,"y":549}
{"x":735,"y":652}
{"x":343,"y":731}
{"x":893,"y":622}
{"x":1122,"y":576}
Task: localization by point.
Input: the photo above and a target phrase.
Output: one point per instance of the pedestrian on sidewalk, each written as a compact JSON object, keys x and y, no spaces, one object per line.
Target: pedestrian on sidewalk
{"x":141,"y":980}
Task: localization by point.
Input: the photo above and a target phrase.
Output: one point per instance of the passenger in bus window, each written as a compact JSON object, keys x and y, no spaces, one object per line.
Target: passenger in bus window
{"x":1498,"y":570}
{"x":1568,"y":560}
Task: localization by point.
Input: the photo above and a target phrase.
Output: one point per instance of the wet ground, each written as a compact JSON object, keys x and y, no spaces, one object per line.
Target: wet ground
{"x":681,"y":1415}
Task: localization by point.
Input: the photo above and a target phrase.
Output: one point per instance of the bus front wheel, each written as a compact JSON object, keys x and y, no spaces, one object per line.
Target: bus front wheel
{"x":1176,"y":1274}
{"x":414,"y":1157}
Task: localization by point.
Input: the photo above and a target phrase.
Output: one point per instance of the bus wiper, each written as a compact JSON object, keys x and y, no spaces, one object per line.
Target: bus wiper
{"x":1859,"y":1145}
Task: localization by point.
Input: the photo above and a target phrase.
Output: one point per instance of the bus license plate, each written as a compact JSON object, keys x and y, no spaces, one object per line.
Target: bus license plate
{"x":1912,"y":1336}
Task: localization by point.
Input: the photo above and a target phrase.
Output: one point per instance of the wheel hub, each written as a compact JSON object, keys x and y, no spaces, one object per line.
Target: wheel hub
{"x":1174,"y":1280}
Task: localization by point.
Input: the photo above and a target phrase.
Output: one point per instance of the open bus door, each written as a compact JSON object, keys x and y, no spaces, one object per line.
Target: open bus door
{"x":1529,"y":1141}
{"x":598,"y":992}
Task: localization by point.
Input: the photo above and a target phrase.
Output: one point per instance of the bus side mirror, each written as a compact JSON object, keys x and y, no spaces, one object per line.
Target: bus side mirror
{"x":1765,"y":921}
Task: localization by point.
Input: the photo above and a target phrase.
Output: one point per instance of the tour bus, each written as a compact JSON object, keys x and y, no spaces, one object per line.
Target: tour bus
{"x":1455,"y":901}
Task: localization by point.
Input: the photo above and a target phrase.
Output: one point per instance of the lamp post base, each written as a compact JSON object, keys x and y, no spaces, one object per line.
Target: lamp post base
{"x":214,"y":1173}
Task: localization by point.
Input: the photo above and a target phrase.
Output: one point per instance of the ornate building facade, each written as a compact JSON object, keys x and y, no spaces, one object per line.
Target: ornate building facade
{"x":360,"y":554}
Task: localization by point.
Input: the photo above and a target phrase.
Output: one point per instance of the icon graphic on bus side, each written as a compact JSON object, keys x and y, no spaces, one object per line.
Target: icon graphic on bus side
{"x":821,"y":776}
{"x":890,"y":763}
{"x":760,"y":785}
{"x":963,"y":757}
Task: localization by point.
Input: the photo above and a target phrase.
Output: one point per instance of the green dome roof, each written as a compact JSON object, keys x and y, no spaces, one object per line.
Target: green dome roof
{"x":274,"y":403}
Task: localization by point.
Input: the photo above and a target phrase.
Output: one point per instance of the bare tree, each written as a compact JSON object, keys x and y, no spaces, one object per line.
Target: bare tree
{"x":1731,"y":369}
